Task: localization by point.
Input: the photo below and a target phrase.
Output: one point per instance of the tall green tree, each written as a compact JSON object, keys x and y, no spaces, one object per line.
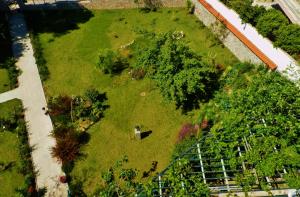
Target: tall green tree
{"x":181,"y":75}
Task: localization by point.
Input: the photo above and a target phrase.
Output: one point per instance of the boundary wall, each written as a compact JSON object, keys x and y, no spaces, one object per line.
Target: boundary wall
{"x":244,"y":40}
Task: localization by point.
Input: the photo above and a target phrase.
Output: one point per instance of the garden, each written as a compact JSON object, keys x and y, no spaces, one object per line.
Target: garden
{"x":76,"y":47}
{"x":109,"y":72}
{"x":16,"y":169}
{"x":8,"y":71}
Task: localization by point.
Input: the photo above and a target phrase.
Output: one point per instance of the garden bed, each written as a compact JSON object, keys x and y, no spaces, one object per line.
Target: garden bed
{"x":17,"y":176}
{"x":8,"y":71}
{"x":71,"y":48}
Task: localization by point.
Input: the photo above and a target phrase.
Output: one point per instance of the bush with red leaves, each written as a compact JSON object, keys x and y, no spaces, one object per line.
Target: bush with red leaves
{"x":59,"y":105}
{"x":187,"y":130}
{"x":67,"y":148}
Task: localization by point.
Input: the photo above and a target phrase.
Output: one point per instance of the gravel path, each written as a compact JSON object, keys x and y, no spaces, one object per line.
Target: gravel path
{"x":39,"y":125}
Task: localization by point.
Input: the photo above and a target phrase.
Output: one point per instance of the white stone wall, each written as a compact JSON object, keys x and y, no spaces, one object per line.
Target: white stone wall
{"x":241,"y":51}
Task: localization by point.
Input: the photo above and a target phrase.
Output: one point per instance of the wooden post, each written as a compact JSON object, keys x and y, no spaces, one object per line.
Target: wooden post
{"x":137,"y":133}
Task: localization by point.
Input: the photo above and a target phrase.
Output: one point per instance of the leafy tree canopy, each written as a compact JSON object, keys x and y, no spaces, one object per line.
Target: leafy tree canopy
{"x":288,"y":38}
{"x":270,"y":22}
{"x":181,"y":74}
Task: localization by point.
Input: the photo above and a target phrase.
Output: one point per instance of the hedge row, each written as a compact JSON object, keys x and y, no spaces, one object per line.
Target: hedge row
{"x":271,"y":23}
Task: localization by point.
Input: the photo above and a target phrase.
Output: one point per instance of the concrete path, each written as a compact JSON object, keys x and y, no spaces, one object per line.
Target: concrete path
{"x":31,"y":93}
{"x":292,"y":9}
{"x":6,"y":96}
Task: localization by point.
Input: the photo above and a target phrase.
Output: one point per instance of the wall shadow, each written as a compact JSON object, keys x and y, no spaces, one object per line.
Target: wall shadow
{"x":59,"y":21}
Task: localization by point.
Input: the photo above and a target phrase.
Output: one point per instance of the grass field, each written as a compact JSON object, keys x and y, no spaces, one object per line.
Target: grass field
{"x":5,"y":52}
{"x":4,"y":81}
{"x":10,"y":179}
{"x":71,"y":57}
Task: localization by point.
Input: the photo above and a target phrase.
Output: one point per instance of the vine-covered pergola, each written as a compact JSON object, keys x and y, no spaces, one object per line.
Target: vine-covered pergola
{"x":217,"y":170}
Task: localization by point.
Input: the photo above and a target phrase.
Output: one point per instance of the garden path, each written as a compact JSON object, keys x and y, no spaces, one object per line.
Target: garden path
{"x":9,"y":95}
{"x":39,"y":125}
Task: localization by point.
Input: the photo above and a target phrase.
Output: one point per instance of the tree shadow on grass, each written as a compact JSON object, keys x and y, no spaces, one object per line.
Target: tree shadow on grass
{"x":57,"y":21}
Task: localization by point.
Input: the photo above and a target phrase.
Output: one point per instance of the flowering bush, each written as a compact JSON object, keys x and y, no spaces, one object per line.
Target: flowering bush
{"x":187,"y":130}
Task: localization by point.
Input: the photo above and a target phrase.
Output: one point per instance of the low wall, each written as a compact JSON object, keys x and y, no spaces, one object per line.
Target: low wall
{"x":275,"y":58}
{"x":238,"y":48}
{"x":121,"y":4}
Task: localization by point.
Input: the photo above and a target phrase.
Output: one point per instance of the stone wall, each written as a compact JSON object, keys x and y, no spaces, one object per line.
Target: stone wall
{"x":238,"y":48}
{"x":120,"y":4}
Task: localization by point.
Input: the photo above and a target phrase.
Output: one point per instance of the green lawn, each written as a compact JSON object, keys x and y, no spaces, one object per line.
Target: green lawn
{"x":4,"y":81}
{"x":72,"y":57}
{"x":11,"y":179}
{"x":5,"y":52}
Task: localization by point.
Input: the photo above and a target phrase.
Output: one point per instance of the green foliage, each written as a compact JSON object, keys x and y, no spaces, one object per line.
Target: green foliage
{"x":5,"y":41}
{"x":190,"y":7}
{"x":66,"y":110}
{"x":13,"y":72}
{"x":17,"y":124}
{"x":183,"y":146}
{"x":39,"y":58}
{"x":269,"y":22}
{"x":111,"y":62}
{"x":72,"y":117}
{"x":181,"y":75}
{"x":264,"y":109}
{"x":149,"y":5}
{"x":118,"y":181}
{"x":247,"y":12}
{"x":288,"y":38}
{"x":182,"y":182}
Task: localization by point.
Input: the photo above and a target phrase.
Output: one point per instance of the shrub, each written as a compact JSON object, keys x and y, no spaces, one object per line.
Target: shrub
{"x":138,"y":73}
{"x":13,"y":72}
{"x":288,"y":38}
{"x":187,"y":130}
{"x":40,"y":60}
{"x":269,"y":22}
{"x":111,"y":62}
{"x":67,"y":148}
{"x":190,"y":7}
{"x":59,"y":105}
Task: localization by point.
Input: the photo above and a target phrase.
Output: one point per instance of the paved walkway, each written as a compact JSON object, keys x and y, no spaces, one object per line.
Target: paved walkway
{"x":292,"y":9}
{"x":31,"y":93}
{"x":6,"y":96}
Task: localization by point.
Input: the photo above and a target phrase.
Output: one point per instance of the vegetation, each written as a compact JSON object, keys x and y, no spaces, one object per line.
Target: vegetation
{"x":17,"y":175}
{"x":74,"y":69}
{"x":269,"y":23}
{"x":181,"y":75}
{"x":190,"y":7}
{"x":13,"y":72}
{"x":8,"y":71}
{"x":148,"y":5}
{"x":272,"y":24}
{"x":111,"y":62}
{"x":72,"y":117}
{"x":5,"y":42}
{"x":263,"y":109}
{"x":288,"y":38}
{"x":39,"y":58}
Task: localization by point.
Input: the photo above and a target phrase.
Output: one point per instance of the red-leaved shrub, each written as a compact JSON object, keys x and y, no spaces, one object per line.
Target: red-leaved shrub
{"x":67,"y":148}
{"x":187,"y":130}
